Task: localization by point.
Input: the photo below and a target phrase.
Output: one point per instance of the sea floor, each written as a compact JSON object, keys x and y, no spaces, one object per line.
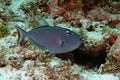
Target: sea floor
{"x":97,"y":22}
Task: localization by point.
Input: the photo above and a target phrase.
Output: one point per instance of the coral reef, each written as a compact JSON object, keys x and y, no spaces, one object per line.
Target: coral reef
{"x":40,"y":67}
{"x":115,"y":49}
{"x":55,"y":9}
{"x":7,"y":42}
{"x":96,"y":21}
{"x":15,"y":60}
{"x":2,"y":60}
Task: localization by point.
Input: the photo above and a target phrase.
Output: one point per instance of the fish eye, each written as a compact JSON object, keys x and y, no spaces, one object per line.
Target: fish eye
{"x":67,"y":33}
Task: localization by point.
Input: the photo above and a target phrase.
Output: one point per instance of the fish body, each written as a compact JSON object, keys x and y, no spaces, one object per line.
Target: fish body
{"x":55,"y":39}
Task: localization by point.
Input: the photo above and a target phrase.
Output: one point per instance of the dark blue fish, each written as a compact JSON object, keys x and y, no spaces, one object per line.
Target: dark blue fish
{"x":55,"y":39}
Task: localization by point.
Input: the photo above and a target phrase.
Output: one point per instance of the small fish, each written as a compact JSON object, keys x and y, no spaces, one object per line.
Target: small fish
{"x":55,"y":39}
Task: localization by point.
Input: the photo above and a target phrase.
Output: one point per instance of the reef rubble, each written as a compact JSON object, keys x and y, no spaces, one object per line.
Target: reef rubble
{"x":97,"y":22}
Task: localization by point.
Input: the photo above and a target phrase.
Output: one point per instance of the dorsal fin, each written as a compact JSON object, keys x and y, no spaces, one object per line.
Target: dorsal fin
{"x":41,"y":27}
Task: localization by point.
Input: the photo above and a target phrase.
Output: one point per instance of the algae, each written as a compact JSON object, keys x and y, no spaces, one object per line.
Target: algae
{"x":3,"y":30}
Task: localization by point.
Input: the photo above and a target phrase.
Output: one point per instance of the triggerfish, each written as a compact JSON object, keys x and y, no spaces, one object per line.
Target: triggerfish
{"x":55,"y":39}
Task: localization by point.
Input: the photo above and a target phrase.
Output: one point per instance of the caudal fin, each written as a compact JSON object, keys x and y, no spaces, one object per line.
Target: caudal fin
{"x":21,"y":34}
